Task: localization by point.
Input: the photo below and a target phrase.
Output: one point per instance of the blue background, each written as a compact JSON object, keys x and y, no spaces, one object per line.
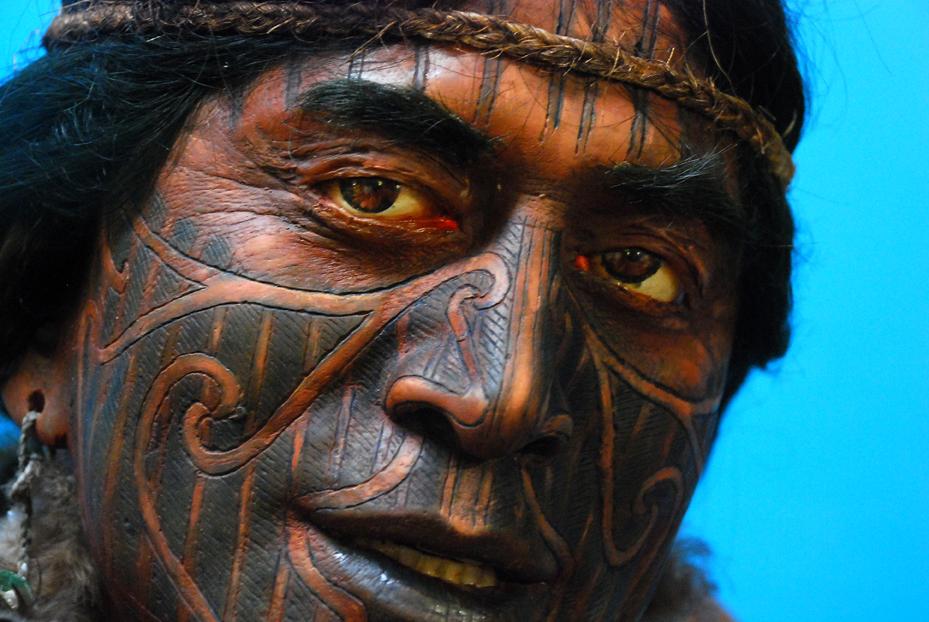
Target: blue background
{"x":816,"y":499}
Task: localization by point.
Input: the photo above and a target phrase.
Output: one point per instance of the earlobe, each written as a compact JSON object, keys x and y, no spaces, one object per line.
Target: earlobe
{"x":40,"y":384}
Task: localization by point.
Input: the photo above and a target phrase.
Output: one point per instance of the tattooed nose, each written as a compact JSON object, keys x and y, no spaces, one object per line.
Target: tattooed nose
{"x":488,"y":395}
{"x":463,"y":422}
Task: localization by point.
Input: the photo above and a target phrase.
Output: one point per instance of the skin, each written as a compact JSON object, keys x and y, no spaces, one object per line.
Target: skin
{"x":261,"y":382}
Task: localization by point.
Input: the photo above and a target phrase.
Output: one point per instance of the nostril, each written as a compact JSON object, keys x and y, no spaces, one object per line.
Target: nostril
{"x":552,"y":440}
{"x":428,"y":422}
{"x":439,"y":414}
{"x":544,"y":448}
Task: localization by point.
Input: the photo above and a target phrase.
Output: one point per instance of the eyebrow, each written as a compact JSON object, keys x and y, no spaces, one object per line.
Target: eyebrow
{"x":400,"y":114}
{"x":692,"y":188}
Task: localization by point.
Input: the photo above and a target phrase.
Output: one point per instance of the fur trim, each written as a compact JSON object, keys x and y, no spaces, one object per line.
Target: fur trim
{"x":684,"y":593}
{"x":62,"y":574}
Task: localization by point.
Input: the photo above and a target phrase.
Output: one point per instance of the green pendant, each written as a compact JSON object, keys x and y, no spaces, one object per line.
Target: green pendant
{"x":13,"y":582}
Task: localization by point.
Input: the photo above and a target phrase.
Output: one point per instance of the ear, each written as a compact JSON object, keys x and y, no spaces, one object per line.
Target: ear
{"x":42,"y":383}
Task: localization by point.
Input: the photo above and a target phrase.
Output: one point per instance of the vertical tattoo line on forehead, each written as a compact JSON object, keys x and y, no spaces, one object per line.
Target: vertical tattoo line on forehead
{"x":602,"y":23}
{"x":556,"y":84}
{"x":644,"y":46}
{"x":598,"y":31}
{"x":487,"y":97}
{"x":236,"y":107}
{"x":588,"y":115}
{"x":554,"y":104}
{"x":421,"y":70}
{"x":490,"y":75}
{"x":294,"y":75}
{"x":567,"y":9}
{"x":356,"y":64}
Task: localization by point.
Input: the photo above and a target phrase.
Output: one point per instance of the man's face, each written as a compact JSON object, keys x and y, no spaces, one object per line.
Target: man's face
{"x":405,"y":336}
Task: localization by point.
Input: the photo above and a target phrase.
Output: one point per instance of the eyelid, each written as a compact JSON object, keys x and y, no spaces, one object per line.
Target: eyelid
{"x":690,"y":247}
{"x":661,"y":284}
{"x":680,"y":260}
{"x":451,"y":190}
{"x":689,"y":263}
{"x":414,"y":207}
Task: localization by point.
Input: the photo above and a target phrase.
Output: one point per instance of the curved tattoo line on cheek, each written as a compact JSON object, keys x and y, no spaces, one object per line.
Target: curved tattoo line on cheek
{"x":385,"y":480}
{"x":152,"y":411}
{"x":553,"y":539}
{"x":684,"y":409}
{"x":666,"y":475}
{"x":221,"y":288}
{"x":302,"y":545}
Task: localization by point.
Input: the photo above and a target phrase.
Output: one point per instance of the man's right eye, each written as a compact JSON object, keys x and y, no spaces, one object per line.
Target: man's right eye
{"x":380,"y":198}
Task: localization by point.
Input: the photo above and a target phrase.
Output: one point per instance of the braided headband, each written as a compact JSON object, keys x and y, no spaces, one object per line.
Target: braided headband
{"x":89,"y":20}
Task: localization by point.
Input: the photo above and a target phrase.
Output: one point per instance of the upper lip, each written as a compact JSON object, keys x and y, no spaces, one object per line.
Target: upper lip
{"x":514,"y":556}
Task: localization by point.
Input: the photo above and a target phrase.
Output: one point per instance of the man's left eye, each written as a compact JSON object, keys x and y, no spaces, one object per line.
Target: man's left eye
{"x":379,"y":198}
{"x":640,"y":271}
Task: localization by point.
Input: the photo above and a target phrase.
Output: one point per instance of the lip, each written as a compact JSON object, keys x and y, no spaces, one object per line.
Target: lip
{"x":524,"y":568}
{"x":514,"y":557}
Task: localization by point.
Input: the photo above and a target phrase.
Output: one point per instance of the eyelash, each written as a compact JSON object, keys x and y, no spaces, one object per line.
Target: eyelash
{"x":334,"y":220}
{"x":583,"y":265}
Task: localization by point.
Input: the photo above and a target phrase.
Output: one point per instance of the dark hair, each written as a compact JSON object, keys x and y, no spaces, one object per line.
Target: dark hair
{"x":83,"y":129}
{"x":746,"y":48}
{"x":92,"y":125}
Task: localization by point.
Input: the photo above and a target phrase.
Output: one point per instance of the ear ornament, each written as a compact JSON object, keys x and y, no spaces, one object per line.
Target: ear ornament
{"x":16,"y":593}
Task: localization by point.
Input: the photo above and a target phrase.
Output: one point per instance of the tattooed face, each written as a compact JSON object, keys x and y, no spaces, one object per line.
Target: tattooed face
{"x":403,"y":335}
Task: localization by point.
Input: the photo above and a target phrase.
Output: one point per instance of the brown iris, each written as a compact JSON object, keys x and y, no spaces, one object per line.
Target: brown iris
{"x":636,"y":270}
{"x":371,"y":195}
{"x":631,"y":265}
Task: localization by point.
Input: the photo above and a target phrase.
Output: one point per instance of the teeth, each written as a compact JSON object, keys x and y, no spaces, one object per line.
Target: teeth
{"x":448,"y":570}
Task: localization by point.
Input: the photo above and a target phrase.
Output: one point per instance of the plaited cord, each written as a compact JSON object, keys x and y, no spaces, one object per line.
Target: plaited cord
{"x":90,"y":20}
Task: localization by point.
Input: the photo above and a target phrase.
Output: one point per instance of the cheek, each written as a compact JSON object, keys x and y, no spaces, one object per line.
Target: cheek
{"x":646,"y":461}
{"x":186,"y":388}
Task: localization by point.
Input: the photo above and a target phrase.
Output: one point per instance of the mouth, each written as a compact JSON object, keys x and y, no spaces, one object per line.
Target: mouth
{"x":408,"y":565}
{"x":430,"y":545}
{"x":456,"y":572}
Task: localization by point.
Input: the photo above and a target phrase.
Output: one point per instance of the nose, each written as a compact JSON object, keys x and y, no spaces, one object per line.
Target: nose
{"x":489,"y":392}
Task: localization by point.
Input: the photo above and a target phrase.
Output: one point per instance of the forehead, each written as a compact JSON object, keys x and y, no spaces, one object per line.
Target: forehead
{"x":549,"y":122}
{"x":644,"y":24}
{"x":555,"y":122}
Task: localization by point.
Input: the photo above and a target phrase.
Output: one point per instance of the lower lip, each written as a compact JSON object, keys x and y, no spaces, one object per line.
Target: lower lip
{"x":391,"y":591}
